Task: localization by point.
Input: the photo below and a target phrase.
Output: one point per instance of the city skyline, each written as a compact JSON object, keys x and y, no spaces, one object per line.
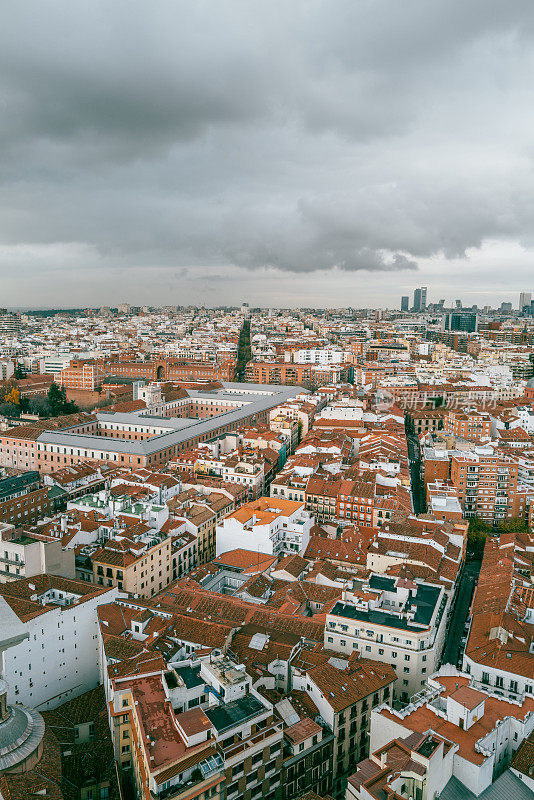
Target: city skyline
{"x":517,"y":300}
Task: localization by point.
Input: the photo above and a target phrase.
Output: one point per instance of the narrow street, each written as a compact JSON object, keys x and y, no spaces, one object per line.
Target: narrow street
{"x":452,"y":649}
{"x":243,"y":351}
{"x":414,"y":456}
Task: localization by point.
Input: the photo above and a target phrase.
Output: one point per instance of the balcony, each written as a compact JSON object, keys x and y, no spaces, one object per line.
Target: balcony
{"x":18,"y":562}
{"x":9,"y":574}
{"x":238,"y":747}
{"x":204,"y":771}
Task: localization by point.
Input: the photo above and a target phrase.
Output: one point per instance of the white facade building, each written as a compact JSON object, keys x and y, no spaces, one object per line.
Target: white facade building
{"x":7,"y":370}
{"x":60,"y":658}
{"x":488,"y":729}
{"x":399,"y":622}
{"x":270,"y":525}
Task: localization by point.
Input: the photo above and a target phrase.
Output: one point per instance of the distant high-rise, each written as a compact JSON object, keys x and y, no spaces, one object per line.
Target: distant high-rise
{"x":419,"y":299}
{"x":405,"y":303}
{"x":9,"y":322}
{"x":460,"y":321}
{"x":458,"y":303}
{"x":525,"y":299}
{"x":506,"y":308}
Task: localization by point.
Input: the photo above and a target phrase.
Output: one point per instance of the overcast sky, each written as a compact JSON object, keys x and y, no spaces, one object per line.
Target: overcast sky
{"x":284,"y":153}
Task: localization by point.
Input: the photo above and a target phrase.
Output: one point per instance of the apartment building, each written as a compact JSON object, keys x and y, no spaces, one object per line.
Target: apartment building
{"x":184,"y":550}
{"x":60,"y":657}
{"x":468,"y":424}
{"x":486,"y":482}
{"x":356,"y":501}
{"x":200,"y":513}
{"x":308,"y":764}
{"x":248,"y":738}
{"x":399,"y":622}
{"x":285,"y":426}
{"x":345,"y":698}
{"x":411,"y":766}
{"x":443,"y":501}
{"x":23,"y":555}
{"x":435,"y":465}
{"x":7,"y":369}
{"x":296,"y":374}
{"x":273,"y":525}
{"x":165,"y":754}
{"x":22,"y":499}
{"x":245,"y":468}
{"x":479,"y":731}
{"x":200,"y":520}
{"x":141,"y":565}
{"x":430,"y":548}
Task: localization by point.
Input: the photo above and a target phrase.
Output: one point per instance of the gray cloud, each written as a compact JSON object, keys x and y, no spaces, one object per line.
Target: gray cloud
{"x":299,"y":137}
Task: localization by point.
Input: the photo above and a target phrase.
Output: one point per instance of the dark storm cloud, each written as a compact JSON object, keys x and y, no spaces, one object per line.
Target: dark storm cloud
{"x":301,"y":136}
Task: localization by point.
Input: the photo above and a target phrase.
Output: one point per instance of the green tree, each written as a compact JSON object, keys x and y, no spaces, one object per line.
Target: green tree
{"x":9,"y":410}
{"x":57,"y":402}
{"x":515,"y":525}
{"x":57,"y":398}
{"x":476,"y":536}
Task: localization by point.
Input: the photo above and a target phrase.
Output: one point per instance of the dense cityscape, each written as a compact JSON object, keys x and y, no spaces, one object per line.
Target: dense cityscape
{"x":267,"y":400}
{"x":280,"y":553}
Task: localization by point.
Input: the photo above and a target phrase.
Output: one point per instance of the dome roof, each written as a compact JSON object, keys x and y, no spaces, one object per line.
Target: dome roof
{"x":20,"y":736}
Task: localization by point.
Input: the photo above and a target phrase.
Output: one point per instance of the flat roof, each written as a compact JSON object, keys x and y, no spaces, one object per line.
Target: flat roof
{"x":228,"y":715}
{"x":382,"y":582}
{"x":424,"y":604}
{"x":191,"y":677}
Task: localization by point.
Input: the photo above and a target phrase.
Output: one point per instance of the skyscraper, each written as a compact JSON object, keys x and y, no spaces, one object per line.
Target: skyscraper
{"x":423,"y":298}
{"x":405,"y":303}
{"x":417,"y":300}
{"x":525,"y":299}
